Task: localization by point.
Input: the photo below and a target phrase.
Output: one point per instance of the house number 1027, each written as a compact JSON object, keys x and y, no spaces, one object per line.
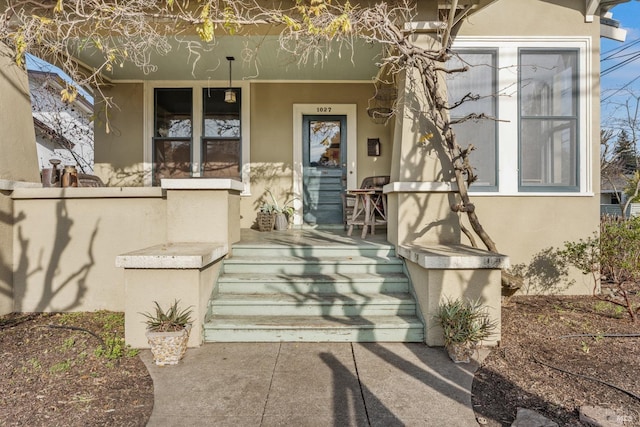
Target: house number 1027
{"x":323,"y":109}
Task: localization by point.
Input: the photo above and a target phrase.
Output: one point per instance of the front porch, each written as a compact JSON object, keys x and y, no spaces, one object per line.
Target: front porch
{"x":185,"y":241}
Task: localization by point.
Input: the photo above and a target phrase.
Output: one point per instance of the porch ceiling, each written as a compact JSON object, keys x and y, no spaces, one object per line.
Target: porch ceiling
{"x":256,"y":58}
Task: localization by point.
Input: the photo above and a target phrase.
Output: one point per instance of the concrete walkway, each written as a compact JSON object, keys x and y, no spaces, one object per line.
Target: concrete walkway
{"x":312,"y":384}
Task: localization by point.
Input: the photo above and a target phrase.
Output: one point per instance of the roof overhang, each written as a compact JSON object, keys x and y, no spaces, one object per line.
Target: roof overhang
{"x":592,"y":6}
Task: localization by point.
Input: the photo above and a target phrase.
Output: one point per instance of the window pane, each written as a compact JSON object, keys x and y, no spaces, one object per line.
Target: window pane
{"x":548,"y":84}
{"x":478,"y":82}
{"x":548,"y":150}
{"x":482,"y":135}
{"x":548,"y":120}
{"x":220,"y":158}
{"x":221,"y":143}
{"x":324,"y":143}
{"x":173,"y":113}
{"x":172,"y":159}
{"x":221,"y":119}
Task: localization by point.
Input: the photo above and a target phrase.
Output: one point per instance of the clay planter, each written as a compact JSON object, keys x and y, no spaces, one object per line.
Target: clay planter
{"x":168,"y":347}
{"x":460,"y":352}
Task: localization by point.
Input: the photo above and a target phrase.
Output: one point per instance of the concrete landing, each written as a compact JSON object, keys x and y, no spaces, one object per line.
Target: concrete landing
{"x":312,"y":384}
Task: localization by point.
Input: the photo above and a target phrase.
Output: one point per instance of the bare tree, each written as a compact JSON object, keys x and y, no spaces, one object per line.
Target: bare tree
{"x":619,"y":160}
{"x":131,"y":31}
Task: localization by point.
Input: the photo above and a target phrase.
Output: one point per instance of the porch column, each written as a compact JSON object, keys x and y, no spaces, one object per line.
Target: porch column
{"x":164,"y":273}
{"x":421,"y":191}
{"x":203,"y":210}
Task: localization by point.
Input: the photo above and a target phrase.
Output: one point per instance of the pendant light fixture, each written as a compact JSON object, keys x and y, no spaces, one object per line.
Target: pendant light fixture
{"x":229,"y":94}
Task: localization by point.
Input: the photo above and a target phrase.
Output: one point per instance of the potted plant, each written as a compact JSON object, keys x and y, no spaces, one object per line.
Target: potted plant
{"x":168,"y":333}
{"x":464,"y":325}
{"x":281,"y":213}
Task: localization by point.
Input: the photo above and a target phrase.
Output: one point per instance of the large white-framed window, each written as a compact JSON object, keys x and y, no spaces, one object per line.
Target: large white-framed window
{"x":543,"y":137}
{"x":190,"y":132}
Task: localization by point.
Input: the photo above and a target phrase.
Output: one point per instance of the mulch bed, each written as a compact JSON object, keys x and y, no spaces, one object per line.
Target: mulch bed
{"x":517,"y":373}
{"x":53,"y":374}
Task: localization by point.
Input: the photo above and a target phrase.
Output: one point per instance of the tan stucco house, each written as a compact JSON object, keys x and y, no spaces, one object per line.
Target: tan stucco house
{"x":186,"y":171}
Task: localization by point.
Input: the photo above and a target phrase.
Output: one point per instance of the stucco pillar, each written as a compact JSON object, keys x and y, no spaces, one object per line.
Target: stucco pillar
{"x":19,"y":160}
{"x":6,"y":253}
{"x":165,"y":273}
{"x":203,"y":210}
{"x":420,"y":192}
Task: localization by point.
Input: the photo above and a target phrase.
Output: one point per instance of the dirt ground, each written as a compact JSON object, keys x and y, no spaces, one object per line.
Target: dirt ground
{"x":54,"y":376}
{"x":517,"y":373}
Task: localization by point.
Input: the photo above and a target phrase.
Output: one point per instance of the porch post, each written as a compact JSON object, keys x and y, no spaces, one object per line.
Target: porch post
{"x":417,"y":213}
{"x":203,"y":210}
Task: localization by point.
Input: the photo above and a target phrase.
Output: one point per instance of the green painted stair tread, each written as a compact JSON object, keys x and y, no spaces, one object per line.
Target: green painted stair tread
{"x":253,"y":260}
{"x":304,"y":278}
{"x":312,"y":322}
{"x":299,"y":298}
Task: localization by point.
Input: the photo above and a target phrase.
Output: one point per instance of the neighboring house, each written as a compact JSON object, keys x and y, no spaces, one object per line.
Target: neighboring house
{"x":63,"y":131}
{"x":613,"y":198}
{"x":538,"y":164}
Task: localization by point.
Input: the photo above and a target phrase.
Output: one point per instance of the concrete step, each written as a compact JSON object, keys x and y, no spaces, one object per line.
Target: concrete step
{"x":315,"y":251}
{"x":313,"y":304}
{"x":313,"y":283}
{"x":314,"y":329}
{"x":300,"y":265}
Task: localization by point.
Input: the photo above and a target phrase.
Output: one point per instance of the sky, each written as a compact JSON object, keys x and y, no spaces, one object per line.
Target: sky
{"x":615,"y":83}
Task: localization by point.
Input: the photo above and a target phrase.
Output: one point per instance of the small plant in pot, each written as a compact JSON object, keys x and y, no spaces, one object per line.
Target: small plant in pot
{"x":168,"y":333}
{"x":282,"y":212}
{"x":464,"y":325}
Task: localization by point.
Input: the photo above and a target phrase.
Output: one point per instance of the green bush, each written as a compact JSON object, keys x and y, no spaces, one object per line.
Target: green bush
{"x":613,"y":257}
{"x":464,"y":321}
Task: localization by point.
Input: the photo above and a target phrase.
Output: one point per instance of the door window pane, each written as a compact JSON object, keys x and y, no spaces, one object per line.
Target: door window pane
{"x":173,"y":127}
{"x":548,"y":120}
{"x":221,"y":139}
{"x":324,"y":143}
{"x":477,"y":87}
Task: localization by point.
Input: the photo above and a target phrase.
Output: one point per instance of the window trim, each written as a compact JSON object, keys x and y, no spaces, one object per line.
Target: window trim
{"x":198,"y":123}
{"x":508,"y":107}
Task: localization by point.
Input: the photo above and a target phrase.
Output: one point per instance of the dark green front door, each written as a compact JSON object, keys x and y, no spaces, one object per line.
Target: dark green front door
{"x":324,"y":168}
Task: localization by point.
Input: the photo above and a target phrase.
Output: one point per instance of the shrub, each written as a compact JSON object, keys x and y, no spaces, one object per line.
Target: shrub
{"x":612,"y":257}
{"x":464,"y":321}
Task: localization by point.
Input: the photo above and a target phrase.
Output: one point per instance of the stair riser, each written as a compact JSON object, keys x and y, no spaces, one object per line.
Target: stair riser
{"x":313,"y":252}
{"x":313,"y":287}
{"x":313,"y":310}
{"x":311,"y":268}
{"x":345,"y":334}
